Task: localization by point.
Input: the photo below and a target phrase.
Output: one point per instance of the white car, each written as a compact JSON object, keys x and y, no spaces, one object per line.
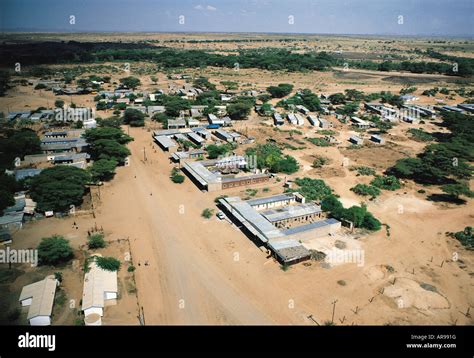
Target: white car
{"x":220,"y":215}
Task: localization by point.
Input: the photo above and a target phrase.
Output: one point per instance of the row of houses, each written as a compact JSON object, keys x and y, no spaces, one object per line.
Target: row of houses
{"x":298,"y":120}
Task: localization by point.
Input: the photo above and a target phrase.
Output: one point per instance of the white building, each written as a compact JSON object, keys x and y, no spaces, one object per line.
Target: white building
{"x":100,"y":288}
{"x":39,"y":296}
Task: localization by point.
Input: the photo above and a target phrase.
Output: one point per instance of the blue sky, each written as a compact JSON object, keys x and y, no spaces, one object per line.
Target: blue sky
{"x":420,"y":17}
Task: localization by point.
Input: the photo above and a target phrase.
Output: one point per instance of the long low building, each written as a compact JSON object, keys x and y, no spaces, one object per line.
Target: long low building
{"x":206,"y":179}
{"x":282,"y":228}
{"x":166,"y":143}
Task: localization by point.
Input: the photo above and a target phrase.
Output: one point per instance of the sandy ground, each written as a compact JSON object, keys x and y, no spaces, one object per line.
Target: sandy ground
{"x":193,"y":276}
{"x":207,"y":272}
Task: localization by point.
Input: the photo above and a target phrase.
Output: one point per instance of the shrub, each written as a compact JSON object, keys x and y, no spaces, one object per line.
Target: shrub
{"x":131,"y":268}
{"x":176,"y":177}
{"x":388,"y":182}
{"x":108,"y":263}
{"x":319,"y":142}
{"x":207,"y":213}
{"x":54,"y":250}
{"x":466,"y":237}
{"x":365,"y":170}
{"x":58,"y":276}
{"x":319,"y":161}
{"x":96,"y":241}
{"x":366,"y":190}
{"x":420,"y":135}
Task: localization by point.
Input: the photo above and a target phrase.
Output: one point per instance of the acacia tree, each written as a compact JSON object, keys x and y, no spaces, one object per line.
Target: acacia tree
{"x":59,"y":187}
{"x":130,"y":82}
{"x":54,"y":250}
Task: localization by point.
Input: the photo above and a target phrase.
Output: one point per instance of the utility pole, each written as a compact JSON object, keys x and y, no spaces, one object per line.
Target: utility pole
{"x":144,"y":154}
{"x":333,"y":310}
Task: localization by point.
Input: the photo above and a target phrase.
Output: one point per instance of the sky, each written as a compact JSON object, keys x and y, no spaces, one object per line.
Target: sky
{"x":370,"y":17}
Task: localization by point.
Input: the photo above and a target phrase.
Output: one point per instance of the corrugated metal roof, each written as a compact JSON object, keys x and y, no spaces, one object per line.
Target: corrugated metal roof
{"x":270,"y":199}
{"x":165,"y":141}
{"x":311,"y":226}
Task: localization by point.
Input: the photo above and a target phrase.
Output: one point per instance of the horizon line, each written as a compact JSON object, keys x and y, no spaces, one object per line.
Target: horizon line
{"x":63,"y":31}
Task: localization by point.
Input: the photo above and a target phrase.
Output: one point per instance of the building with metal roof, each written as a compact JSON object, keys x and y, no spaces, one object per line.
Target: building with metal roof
{"x":469,"y":107}
{"x":224,"y":135}
{"x":100,"y":286}
{"x":165,"y":143}
{"x":270,"y":226}
{"x":277,"y":119}
{"x":195,"y":138}
{"x":12,"y":221}
{"x":356,"y":140}
{"x":26,"y":173}
{"x":39,"y":296}
{"x":176,"y":123}
{"x":377,"y":139}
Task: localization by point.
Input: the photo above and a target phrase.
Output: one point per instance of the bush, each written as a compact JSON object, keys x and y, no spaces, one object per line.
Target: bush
{"x":58,"y":276}
{"x":313,"y":189}
{"x":420,"y":135}
{"x":466,"y":237}
{"x":134,"y":117}
{"x":96,"y":241}
{"x":269,"y":156}
{"x":108,"y":263}
{"x":365,"y":171}
{"x":319,"y":142}
{"x":280,"y":91}
{"x":388,"y":182}
{"x":131,"y":268}
{"x":207,"y":213}
{"x":176,"y":177}
{"x":54,"y":250}
{"x":366,"y":190}
{"x":319,"y":161}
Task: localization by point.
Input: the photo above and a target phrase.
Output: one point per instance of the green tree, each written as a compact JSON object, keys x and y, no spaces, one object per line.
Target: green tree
{"x":96,"y":241}
{"x":366,"y":190}
{"x":130,"y":82}
{"x":54,"y":250}
{"x":59,"y":103}
{"x":203,"y":83}
{"x":109,"y":149}
{"x":458,"y":189}
{"x":103,"y":169}
{"x":115,"y":134}
{"x":108,"y":263}
{"x":337,"y":98}
{"x":59,"y":187}
{"x":239,"y":110}
{"x":280,"y":91}
{"x":388,"y":182}
{"x":134,"y":117}
{"x":176,"y":177}
{"x":230,"y":85}
{"x":207,"y":213}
